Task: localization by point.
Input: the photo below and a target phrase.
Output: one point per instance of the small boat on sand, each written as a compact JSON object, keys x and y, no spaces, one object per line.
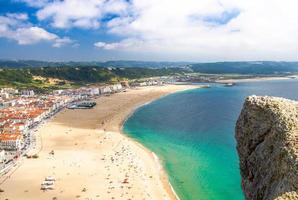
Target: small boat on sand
{"x":50,"y":178}
{"x":47,"y":187}
{"x":47,"y":183}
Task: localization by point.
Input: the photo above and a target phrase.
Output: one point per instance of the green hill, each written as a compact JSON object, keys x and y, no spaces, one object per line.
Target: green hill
{"x":64,"y":77}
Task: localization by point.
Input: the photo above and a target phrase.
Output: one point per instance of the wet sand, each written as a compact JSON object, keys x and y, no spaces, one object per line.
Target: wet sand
{"x":92,"y":158}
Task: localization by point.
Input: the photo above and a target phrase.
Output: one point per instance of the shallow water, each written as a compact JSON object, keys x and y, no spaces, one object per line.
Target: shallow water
{"x":193,"y":134}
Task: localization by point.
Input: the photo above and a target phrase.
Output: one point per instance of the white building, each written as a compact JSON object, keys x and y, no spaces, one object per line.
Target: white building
{"x":2,"y":156}
{"x":105,"y":90}
{"x":116,"y":87}
{"x":5,"y":95}
{"x":10,"y":142}
{"x":57,"y":92}
{"x":143,"y":84}
{"x":9,"y":90}
{"x":28,"y":93}
{"x":94,"y":91}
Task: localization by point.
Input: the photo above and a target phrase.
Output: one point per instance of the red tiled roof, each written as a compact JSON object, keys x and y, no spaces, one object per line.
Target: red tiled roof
{"x":9,"y":137}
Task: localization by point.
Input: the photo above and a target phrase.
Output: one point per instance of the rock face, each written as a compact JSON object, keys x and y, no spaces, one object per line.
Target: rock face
{"x":267,"y":144}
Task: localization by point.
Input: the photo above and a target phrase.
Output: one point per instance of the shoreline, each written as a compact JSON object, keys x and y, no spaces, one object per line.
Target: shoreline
{"x":90,"y":146}
{"x":239,"y":80}
{"x":163,"y":174}
{"x":164,"y":177}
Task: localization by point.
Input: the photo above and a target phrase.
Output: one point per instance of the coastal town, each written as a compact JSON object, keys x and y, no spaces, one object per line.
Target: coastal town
{"x":52,"y":139}
{"x":22,"y":111}
{"x":148,"y":100}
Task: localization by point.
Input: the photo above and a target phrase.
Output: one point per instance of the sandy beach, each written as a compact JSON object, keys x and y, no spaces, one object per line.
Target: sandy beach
{"x":92,"y":158}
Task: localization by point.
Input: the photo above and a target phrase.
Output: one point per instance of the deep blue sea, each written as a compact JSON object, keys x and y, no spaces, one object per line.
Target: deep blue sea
{"x":193,"y":134}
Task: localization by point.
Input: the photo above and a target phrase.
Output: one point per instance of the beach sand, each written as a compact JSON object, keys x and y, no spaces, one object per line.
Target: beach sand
{"x":92,"y":158}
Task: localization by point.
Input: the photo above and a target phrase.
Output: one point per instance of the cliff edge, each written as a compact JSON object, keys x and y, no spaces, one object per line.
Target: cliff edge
{"x":267,"y":144}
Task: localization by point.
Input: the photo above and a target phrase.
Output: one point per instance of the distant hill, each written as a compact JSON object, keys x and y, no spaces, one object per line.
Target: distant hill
{"x":252,"y":68}
{"x":93,"y":74}
{"x":143,"y":64}
{"x":27,"y":63}
{"x":265,"y":68}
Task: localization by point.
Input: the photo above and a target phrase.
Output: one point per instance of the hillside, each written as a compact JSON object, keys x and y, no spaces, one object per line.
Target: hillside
{"x":246,"y":68}
{"x":71,"y":76}
{"x":117,"y":63}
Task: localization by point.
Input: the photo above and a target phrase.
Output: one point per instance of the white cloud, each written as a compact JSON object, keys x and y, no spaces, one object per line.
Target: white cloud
{"x":179,"y":29}
{"x":78,"y":13}
{"x":122,"y":45}
{"x":18,"y":16}
{"x":59,"y":42}
{"x":100,"y":44}
{"x":14,"y":26}
{"x":31,"y":35}
{"x":185,"y":30}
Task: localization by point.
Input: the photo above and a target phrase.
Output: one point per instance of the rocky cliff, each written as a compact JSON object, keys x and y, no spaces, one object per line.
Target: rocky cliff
{"x":267,"y":144}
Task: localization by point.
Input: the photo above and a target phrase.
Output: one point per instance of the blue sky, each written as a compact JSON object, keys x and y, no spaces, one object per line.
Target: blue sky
{"x":173,"y":30}
{"x":81,"y":49}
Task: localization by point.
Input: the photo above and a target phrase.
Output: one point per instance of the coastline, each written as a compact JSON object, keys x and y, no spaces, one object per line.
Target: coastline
{"x":163,"y":174}
{"x":95,"y":139}
{"x":256,"y":79}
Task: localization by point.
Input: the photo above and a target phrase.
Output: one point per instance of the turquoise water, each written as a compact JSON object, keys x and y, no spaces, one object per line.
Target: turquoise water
{"x":193,"y":134}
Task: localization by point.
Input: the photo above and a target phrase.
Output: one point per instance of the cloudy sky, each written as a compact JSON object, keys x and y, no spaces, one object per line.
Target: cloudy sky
{"x":172,"y":30}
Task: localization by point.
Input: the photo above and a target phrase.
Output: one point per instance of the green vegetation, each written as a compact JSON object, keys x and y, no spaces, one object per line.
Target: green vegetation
{"x":248,"y":68}
{"x":48,"y":78}
{"x":136,"y":73}
{"x":117,"y":63}
{"x":44,"y":76}
{"x":14,"y":76}
{"x":23,"y":79}
{"x":75,"y":74}
{"x":100,"y":74}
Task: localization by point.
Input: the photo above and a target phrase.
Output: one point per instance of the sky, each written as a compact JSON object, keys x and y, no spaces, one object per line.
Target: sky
{"x":152,"y":30}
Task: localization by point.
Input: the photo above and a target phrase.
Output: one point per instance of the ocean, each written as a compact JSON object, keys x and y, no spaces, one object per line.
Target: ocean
{"x":192,"y":132}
